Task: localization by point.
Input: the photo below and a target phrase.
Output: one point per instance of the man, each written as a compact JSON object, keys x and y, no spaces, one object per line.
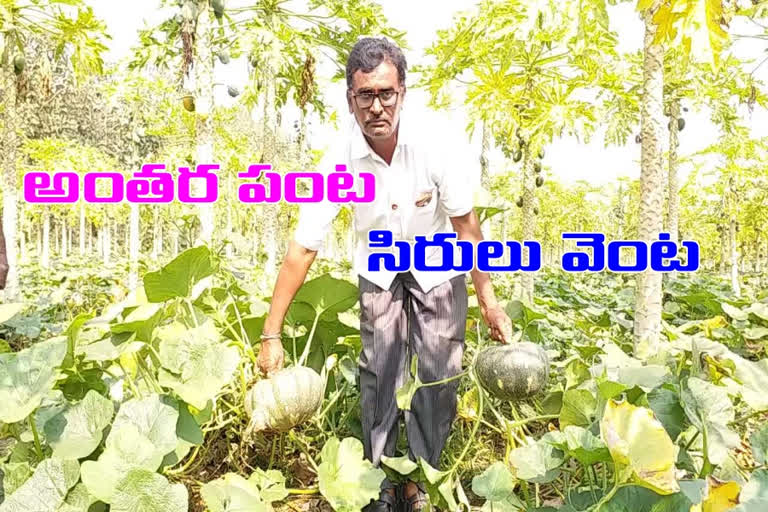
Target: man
{"x":421,"y":313}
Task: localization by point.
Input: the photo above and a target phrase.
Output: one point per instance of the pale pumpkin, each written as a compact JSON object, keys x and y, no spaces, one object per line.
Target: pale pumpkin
{"x":288,"y":398}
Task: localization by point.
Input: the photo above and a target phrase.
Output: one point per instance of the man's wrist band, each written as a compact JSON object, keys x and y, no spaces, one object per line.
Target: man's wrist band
{"x":275,"y":336}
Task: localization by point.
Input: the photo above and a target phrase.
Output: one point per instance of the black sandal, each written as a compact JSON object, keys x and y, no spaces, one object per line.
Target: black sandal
{"x":386,"y":503}
{"x":418,"y":502}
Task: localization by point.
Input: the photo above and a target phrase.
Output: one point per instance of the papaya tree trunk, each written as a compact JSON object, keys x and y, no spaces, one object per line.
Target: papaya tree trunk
{"x":81,"y":239}
{"x":106,"y":241}
{"x":647,"y":326}
{"x":9,"y":142}
{"x":735,"y":286}
{"x":63,"y":246}
{"x":485,"y":178}
{"x":528,"y":219}
{"x":673,"y":200}
{"x":45,"y":258}
{"x":133,"y":247}
{"x":270,"y":235}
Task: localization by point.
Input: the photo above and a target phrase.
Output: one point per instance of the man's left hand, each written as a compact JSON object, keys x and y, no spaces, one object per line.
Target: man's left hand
{"x":498,"y":323}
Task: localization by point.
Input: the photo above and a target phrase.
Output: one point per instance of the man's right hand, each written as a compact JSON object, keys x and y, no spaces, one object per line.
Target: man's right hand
{"x":271,"y":357}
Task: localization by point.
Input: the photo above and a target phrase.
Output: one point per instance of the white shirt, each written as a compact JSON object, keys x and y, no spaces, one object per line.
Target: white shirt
{"x":417,"y":167}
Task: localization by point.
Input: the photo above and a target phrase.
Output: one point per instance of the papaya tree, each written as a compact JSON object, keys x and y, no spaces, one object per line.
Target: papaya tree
{"x":74,"y":28}
{"x":525,"y":67}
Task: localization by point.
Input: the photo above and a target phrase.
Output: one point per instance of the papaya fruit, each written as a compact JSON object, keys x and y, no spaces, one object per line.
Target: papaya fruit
{"x":519,"y":202}
{"x":539,"y":181}
{"x":517,"y":156}
{"x":680,"y":124}
{"x":218,"y":8}
{"x":19,"y":63}
{"x":189,"y":103}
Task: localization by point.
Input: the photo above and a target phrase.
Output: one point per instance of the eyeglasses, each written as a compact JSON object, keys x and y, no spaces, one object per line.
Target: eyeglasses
{"x":386,"y":98}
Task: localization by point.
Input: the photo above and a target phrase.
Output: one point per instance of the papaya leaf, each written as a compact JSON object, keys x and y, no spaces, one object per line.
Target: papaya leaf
{"x":640,"y":447}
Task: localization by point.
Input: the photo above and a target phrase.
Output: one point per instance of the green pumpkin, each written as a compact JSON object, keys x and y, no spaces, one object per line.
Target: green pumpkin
{"x":288,"y":398}
{"x":513,"y":372}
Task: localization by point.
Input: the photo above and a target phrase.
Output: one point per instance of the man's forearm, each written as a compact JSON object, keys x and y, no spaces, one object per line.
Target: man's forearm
{"x":292,"y":273}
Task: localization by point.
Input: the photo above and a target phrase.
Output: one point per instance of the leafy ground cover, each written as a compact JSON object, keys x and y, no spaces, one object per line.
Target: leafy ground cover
{"x":139,"y":404}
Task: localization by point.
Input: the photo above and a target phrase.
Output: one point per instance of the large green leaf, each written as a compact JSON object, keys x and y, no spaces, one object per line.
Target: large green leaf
{"x":403,"y":465}
{"x":271,"y":484}
{"x":754,"y":494}
{"x":141,"y":490}
{"x":196,"y":364}
{"x":177,"y":278}
{"x":640,"y":447}
{"x":12,"y":476}
{"x":497,"y":485}
{"x":233,"y":493}
{"x":347,"y":480}
{"x":143,"y":432}
{"x":328,"y":295}
{"x":579,"y":443}
{"x":665,"y":404}
{"x":579,"y":407}
{"x":46,"y":490}
{"x":759,"y":442}
{"x":710,"y":409}
{"x":27,"y":376}
{"x":8,"y":311}
{"x":141,"y":320}
{"x":76,"y":431}
{"x":538,"y":462}
{"x":79,"y":500}
{"x":734,"y":312}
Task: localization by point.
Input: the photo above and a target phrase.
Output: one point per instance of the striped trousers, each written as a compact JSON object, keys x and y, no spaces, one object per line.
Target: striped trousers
{"x":395,"y":324}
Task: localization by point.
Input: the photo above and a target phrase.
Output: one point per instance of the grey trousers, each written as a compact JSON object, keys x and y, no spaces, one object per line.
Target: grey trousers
{"x":394,"y":324}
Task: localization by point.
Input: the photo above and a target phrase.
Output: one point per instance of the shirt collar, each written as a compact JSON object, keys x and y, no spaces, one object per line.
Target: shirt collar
{"x":360,"y":147}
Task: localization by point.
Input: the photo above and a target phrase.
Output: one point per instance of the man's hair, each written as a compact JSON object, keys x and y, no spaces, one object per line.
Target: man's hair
{"x":369,"y":52}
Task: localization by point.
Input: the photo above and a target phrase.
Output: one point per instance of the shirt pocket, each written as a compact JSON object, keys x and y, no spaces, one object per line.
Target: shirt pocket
{"x":423,"y":210}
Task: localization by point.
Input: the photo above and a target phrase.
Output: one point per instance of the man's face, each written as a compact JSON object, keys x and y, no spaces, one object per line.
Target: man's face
{"x":377,"y":122}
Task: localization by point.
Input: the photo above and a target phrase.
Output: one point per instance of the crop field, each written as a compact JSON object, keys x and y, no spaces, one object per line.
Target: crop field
{"x":130,"y":332}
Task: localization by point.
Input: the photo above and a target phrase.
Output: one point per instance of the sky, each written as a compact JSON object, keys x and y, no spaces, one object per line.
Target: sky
{"x":568,"y":160}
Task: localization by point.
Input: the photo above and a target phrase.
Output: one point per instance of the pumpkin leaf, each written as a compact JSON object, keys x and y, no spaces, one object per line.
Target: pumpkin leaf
{"x":271,"y":484}
{"x":142,"y":490}
{"x":719,"y":496}
{"x":734,"y":312}
{"x":347,"y":480}
{"x":12,"y":476}
{"x":497,"y":485}
{"x":177,"y":278}
{"x":754,"y":494}
{"x":8,"y":311}
{"x":76,"y":431}
{"x":759,"y":442}
{"x":143,"y":432}
{"x":328,"y":296}
{"x":233,"y":493}
{"x":196,"y":365}
{"x":710,"y":409}
{"x":27,"y":376}
{"x":404,"y":394}
{"x":665,"y":405}
{"x":579,"y":407}
{"x":79,"y":500}
{"x":403,"y":465}
{"x":537,"y":462}
{"x":581,"y":444}
{"x":46,"y":489}
{"x":640,"y":447}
